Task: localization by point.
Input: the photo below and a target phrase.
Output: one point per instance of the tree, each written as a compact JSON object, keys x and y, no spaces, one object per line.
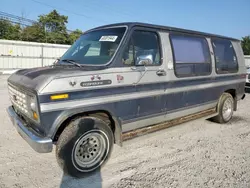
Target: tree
{"x":55,"y":27}
{"x":9,"y":31}
{"x":34,"y":33}
{"x":73,"y":36}
{"x":49,"y":28}
{"x":245,"y":43}
{"x":15,"y":32}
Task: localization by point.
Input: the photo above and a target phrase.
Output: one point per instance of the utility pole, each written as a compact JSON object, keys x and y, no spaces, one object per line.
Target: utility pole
{"x":45,"y":33}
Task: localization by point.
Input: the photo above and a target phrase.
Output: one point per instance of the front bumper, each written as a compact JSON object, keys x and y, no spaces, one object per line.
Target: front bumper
{"x":38,"y":143}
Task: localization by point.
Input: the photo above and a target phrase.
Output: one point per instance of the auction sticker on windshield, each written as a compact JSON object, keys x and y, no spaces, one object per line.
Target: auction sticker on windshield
{"x":108,"y":38}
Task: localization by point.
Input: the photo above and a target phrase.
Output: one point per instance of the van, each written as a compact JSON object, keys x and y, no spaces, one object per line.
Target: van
{"x":123,"y":80}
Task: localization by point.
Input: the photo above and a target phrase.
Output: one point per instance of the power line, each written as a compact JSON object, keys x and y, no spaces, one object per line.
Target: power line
{"x":14,"y":18}
{"x":96,"y":5}
{"x":109,"y":6}
{"x":20,"y":20}
{"x":16,"y":22}
{"x":126,"y":13}
{"x":71,"y":12}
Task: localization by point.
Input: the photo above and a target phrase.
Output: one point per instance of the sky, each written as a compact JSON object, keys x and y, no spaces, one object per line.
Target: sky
{"x":225,"y":17}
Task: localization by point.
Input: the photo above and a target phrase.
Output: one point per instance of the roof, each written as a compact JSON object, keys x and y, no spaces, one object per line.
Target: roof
{"x":166,"y":28}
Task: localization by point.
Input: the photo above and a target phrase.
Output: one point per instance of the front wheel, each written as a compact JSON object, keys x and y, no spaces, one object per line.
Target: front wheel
{"x":225,"y":108}
{"x":84,"y":146}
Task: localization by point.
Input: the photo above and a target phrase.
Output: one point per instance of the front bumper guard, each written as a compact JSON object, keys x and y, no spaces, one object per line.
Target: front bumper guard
{"x":38,"y":143}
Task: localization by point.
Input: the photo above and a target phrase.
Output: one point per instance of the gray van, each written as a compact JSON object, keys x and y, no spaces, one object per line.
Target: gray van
{"x":123,"y":80}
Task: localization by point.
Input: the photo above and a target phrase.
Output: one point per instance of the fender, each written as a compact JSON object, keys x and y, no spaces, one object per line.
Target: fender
{"x":68,"y":114}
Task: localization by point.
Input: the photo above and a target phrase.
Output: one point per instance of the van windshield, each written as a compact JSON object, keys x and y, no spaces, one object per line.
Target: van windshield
{"x":95,"y":47}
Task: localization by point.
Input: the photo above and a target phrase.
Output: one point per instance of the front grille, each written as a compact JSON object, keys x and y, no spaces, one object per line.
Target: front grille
{"x":18,"y":99}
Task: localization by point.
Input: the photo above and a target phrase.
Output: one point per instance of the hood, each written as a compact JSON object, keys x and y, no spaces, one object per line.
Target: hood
{"x":35,"y":78}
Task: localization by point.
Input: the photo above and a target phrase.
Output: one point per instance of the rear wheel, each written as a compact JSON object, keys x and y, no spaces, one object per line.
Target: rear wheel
{"x":84,"y":146}
{"x":225,"y":108}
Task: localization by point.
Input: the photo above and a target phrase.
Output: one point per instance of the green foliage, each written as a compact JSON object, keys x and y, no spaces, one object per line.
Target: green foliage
{"x":73,"y":36}
{"x":54,"y":22}
{"x":34,"y":33}
{"x":245,"y":43}
{"x":50,"y":28}
{"x":57,"y":37}
{"x":55,"y":26}
{"x":9,"y":31}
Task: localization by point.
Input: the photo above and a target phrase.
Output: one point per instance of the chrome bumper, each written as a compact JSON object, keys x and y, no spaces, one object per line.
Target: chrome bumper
{"x":38,"y":143}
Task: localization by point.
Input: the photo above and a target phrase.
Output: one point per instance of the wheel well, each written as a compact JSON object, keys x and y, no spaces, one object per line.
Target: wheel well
{"x":101,"y":114}
{"x":233,"y":93}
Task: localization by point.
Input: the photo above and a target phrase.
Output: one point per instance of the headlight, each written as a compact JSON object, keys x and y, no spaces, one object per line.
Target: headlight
{"x":33,"y":105}
{"x":24,"y":102}
{"x":33,"y":108}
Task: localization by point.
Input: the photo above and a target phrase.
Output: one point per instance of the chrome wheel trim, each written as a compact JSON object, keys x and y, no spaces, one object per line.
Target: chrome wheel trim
{"x":227,"y":109}
{"x":94,"y":144}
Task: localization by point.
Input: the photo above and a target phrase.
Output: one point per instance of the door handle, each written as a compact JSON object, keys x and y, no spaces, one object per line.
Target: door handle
{"x":161,"y":73}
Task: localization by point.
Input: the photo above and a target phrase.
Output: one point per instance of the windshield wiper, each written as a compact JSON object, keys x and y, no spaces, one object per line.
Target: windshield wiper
{"x":73,"y":62}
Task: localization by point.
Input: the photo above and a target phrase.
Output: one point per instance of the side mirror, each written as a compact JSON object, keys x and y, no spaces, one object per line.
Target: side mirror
{"x":144,"y":60}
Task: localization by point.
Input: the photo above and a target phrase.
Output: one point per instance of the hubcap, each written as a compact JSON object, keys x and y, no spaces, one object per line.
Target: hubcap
{"x":89,"y":149}
{"x":227,"y":109}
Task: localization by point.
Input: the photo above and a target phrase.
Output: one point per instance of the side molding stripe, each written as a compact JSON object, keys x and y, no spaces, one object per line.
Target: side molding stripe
{"x":84,"y":102}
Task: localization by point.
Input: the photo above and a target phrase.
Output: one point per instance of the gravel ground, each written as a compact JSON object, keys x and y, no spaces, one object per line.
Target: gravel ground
{"x":194,"y":154}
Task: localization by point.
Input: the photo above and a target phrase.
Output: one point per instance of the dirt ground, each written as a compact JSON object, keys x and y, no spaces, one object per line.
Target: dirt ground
{"x":194,"y":154}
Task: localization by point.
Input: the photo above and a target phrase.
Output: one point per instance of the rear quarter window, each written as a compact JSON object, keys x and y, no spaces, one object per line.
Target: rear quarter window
{"x":225,"y":56}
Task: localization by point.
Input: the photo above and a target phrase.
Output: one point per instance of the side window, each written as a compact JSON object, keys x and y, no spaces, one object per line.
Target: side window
{"x":191,"y":55}
{"x":143,"y":49}
{"x":225,"y":57}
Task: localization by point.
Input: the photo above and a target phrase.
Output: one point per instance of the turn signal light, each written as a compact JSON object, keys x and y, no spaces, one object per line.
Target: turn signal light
{"x":61,"y":96}
{"x":35,"y":116}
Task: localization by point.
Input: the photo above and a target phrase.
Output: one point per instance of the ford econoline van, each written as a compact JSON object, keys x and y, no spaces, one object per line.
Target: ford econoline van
{"x":123,"y":80}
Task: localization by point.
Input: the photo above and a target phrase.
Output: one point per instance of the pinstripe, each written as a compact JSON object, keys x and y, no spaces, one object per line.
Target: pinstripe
{"x":84,"y":102}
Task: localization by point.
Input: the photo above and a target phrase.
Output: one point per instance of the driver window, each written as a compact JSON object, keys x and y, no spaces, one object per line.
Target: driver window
{"x":143,"y":45}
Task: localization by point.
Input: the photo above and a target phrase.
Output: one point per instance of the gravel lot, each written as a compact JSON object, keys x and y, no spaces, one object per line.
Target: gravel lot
{"x":194,"y":154}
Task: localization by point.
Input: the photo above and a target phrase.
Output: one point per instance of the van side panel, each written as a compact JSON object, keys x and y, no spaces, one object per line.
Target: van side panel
{"x":187,"y":94}
{"x":206,"y":91}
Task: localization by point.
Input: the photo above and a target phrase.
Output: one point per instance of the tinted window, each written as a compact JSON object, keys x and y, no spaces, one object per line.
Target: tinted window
{"x":95,"y":47}
{"x":225,"y":58}
{"x":143,"y":44}
{"x":191,"y":55}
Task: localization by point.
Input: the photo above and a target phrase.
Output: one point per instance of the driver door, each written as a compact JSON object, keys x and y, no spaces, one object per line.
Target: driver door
{"x":143,"y":55}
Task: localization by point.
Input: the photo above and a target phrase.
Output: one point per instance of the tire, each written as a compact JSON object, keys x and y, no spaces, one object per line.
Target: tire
{"x":84,"y":146}
{"x":226,"y":102}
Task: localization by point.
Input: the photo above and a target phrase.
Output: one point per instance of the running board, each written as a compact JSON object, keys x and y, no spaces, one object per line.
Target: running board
{"x":153,"y":128}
